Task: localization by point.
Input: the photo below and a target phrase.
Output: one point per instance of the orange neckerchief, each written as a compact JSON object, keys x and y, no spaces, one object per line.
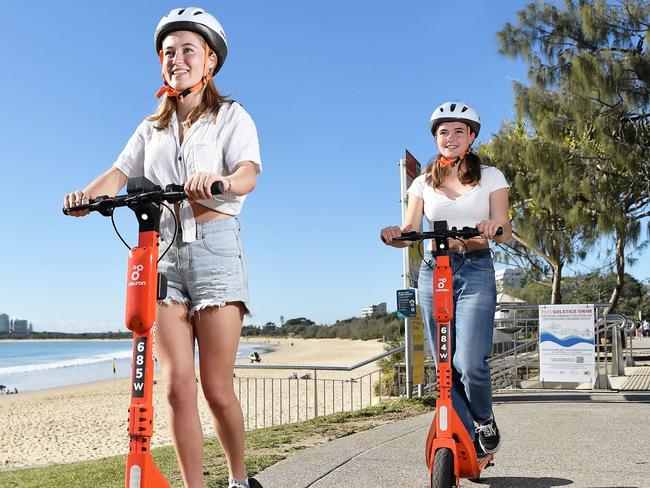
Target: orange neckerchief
{"x":444,"y":161}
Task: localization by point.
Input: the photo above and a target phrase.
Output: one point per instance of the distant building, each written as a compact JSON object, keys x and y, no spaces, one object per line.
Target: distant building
{"x":5,"y":323}
{"x":20,"y":326}
{"x":511,"y":277}
{"x":373,"y":310}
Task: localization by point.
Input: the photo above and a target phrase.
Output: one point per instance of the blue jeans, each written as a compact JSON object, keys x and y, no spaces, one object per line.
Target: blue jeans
{"x":472,"y":326}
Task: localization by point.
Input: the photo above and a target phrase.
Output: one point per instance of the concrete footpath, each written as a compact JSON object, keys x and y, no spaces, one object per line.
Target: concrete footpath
{"x":549,"y":439}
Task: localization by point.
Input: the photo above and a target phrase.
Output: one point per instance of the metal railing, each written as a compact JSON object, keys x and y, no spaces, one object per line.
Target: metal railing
{"x":307,"y":392}
{"x":517,"y":360}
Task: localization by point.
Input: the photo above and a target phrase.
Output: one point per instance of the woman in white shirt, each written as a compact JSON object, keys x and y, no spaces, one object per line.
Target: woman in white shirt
{"x":197,"y":137}
{"x":458,"y":188}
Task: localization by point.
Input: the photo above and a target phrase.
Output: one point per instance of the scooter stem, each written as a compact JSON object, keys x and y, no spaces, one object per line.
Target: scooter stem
{"x":443,"y":313}
{"x":143,"y":288}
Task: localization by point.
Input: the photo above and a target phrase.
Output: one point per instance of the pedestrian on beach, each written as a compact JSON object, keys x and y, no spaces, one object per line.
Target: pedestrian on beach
{"x":646,"y":328}
{"x":457,"y":187}
{"x":197,"y":137}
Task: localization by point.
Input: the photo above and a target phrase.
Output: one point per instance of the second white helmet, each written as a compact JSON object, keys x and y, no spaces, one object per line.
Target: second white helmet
{"x":455,"y":112}
{"x":196,"y":20}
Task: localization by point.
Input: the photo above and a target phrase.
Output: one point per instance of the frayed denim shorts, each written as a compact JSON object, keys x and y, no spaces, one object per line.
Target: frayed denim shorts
{"x":209,"y":272}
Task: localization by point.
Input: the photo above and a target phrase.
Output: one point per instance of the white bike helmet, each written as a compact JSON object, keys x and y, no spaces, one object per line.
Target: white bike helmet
{"x":196,"y":20}
{"x":455,"y":112}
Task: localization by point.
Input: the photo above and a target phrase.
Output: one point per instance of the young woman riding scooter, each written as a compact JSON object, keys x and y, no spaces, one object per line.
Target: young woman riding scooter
{"x":456,"y":187}
{"x":197,"y":138}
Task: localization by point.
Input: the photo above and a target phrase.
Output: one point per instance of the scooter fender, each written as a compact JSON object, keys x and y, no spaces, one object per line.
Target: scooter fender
{"x":141,"y":289}
{"x":143,"y":472}
{"x":459,"y":441}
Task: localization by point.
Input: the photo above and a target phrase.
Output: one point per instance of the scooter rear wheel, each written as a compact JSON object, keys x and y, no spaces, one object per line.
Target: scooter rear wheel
{"x":442,"y":474}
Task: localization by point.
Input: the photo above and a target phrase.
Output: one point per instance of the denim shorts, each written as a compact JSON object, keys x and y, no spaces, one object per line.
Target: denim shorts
{"x":209,"y":272}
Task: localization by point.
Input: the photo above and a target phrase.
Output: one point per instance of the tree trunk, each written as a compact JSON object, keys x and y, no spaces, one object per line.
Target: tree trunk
{"x":556,"y":293}
{"x":620,"y":272}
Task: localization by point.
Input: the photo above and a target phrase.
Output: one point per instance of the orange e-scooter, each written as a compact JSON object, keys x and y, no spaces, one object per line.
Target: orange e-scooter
{"x":450,"y":452}
{"x":144,"y":287}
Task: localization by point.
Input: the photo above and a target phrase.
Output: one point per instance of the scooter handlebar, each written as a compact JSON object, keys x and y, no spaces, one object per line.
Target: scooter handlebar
{"x":453,"y":233}
{"x":171,"y":194}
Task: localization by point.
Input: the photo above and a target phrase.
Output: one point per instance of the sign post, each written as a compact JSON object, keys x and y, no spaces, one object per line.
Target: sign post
{"x":413,"y":325}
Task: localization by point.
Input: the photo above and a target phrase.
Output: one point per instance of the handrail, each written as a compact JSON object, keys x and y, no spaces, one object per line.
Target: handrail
{"x":318,"y":399}
{"x":517,"y":306}
{"x":321,"y":368}
{"x":607,"y":323}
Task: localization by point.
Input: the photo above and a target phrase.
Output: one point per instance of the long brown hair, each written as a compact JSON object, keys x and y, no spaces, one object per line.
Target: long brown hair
{"x":211,"y":100}
{"x":469,"y":171}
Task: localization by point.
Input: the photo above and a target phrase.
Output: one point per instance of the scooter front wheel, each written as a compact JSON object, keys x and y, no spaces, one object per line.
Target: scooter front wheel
{"x":442,"y":474}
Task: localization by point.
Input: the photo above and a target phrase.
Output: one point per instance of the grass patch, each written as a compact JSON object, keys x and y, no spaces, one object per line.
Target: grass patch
{"x":264,"y":447}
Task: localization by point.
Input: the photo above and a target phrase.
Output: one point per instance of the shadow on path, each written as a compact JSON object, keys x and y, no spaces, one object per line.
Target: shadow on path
{"x":523,"y":482}
{"x":577,"y":397}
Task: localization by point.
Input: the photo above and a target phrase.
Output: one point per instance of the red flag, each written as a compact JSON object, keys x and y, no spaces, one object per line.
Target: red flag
{"x":412,"y":166}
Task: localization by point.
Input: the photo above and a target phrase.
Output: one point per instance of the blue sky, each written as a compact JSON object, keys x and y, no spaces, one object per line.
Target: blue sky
{"x":337,"y":89}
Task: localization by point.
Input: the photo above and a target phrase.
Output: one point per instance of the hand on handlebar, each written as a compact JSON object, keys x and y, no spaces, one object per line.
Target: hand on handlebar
{"x":140,"y":191}
{"x":198,"y":186}
{"x":74,"y":199}
{"x":387,"y":234}
{"x":489,"y":228}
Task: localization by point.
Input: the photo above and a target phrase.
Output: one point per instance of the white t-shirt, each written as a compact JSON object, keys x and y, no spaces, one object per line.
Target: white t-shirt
{"x":211,"y":144}
{"x":468,"y":209}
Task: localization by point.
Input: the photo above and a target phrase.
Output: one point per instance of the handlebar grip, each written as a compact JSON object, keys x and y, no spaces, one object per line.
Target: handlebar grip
{"x":215,"y":189}
{"x":85,"y":206}
{"x":407,"y":236}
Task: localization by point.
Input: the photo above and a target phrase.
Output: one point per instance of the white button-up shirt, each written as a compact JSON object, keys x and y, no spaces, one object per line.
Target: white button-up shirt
{"x":211,"y":144}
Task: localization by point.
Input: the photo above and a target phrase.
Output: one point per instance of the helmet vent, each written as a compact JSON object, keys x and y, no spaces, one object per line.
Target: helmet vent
{"x":464,"y":108}
{"x":180,"y":12}
{"x":197,"y":13}
{"x":453,"y":107}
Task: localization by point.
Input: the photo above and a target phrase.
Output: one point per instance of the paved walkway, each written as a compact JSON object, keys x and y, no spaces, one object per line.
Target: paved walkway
{"x":638,"y":378}
{"x":550,"y":439}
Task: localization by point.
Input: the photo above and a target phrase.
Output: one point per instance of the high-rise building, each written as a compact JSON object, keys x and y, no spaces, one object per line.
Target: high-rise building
{"x":20,"y":326}
{"x":374,"y":310}
{"x":511,"y":277}
{"x":5,"y":323}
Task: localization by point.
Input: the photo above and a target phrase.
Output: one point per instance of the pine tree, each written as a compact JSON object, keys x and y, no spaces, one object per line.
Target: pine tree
{"x":589,"y":69}
{"x":551,"y":227}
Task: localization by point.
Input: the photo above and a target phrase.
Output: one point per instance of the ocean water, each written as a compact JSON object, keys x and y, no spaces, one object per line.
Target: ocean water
{"x":36,"y":365}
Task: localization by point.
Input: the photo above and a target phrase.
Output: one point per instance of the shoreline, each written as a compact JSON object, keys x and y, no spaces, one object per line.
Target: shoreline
{"x":43,"y":427}
{"x":264,"y":347}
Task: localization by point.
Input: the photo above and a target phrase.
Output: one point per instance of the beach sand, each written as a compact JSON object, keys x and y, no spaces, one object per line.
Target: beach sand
{"x":89,"y":421}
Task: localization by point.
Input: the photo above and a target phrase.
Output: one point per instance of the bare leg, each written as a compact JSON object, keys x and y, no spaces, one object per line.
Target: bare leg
{"x":175,"y":353}
{"x":217,"y":331}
